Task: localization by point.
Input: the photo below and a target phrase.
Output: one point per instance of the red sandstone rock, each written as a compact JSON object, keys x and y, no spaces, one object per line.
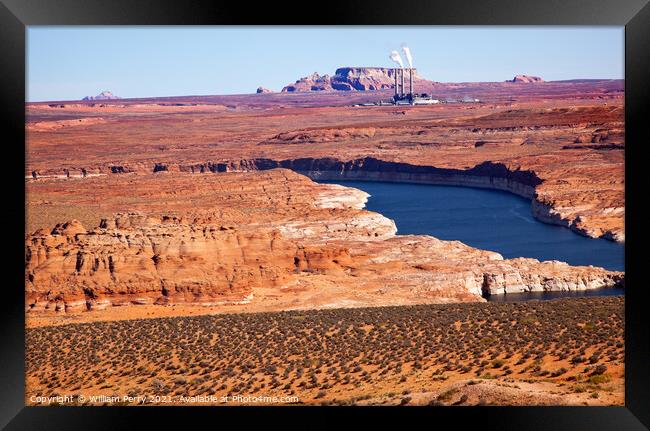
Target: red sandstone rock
{"x":177,"y":163}
{"x":268,"y":240}
{"x":313,"y":82}
{"x":526,"y":79}
{"x":104,"y":95}
{"x":536,"y":133}
{"x":354,"y":79}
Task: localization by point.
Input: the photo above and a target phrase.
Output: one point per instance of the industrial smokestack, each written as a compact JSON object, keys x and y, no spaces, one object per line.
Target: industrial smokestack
{"x":394,"y":55}
{"x":409,"y":59}
{"x":395,"y":73}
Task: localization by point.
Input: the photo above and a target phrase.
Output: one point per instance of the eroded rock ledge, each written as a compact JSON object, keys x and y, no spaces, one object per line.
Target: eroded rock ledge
{"x":271,"y":240}
{"x":546,"y":205}
{"x":583,"y":218}
{"x":489,"y":175}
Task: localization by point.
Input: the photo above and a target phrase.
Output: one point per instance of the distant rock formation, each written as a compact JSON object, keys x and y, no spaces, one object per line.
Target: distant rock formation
{"x":526,"y":79}
{"x":313,"y":82}
{"x":261,"y":90}
{"x":104,"y":95}
{"x":352,"y":79}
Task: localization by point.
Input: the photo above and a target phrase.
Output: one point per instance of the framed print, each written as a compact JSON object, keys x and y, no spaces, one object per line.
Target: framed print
{"x":424,"y":212}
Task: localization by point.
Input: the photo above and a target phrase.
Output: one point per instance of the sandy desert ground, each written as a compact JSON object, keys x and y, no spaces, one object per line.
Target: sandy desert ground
{"x":557,"y":352}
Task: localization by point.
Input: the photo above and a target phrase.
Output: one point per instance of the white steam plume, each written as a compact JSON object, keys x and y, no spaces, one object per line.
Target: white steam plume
{"x":407,"y":54}
{"x":394,"y":55}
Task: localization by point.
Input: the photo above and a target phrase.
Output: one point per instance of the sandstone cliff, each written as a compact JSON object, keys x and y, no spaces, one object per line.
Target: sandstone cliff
{"x":104,"y":95}
{"x":573,"y":143}
{"x":268,"y":240}
{"x":526,"y":79}
{"x":589,"y":220}
{"x":353,"y":79}
{"x":560,"y":204}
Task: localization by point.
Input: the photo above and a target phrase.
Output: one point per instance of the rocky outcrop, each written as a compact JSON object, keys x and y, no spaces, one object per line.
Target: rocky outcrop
{"x":269,"y":240}
{"x":321,"y":135}
{"x":137,"y":259}
{"x":261,"y":90}
{"x":104,"y":95}
{"x":540,"y":141}
{"x":313,"y":82}
{"x":368,"y":78}
{"x":489,"y":175}
{"x":48,"y":126}
{"x":526,"y":79}
{"x":547,"y":205}
{"x":547,"y":210}
{"x":352,"y":79}
{"x":486,"y":175}
{"x":534,"y":276}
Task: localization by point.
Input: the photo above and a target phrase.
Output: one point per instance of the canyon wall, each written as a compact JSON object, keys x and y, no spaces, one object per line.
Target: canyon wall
{"x":354,"y":79}
{"x":489,"y":175}
{"x":486,"y":175}
{"x":258,"y":241}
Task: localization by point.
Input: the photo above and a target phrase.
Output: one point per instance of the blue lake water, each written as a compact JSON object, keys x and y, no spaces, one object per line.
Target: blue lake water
{"x":542,"y":296}
{"x":486,"y":219}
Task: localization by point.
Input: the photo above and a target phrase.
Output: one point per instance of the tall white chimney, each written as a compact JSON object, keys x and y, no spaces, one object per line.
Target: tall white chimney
{"x":395,"y":75}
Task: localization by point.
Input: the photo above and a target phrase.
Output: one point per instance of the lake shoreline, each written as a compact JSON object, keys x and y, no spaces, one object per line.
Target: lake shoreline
{"x":453,"y":202}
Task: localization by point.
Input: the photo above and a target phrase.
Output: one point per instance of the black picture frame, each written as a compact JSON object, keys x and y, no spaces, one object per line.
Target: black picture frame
{"x":15,"y":15}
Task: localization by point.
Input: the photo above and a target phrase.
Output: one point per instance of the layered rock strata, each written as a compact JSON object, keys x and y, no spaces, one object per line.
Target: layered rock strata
{"x":489,"y":175}
{"x":592,"y":219}
{"x":526,"y":79}
{"x":353,"y":79}
{"x":575,"y":148}
{"x":104,"y":95}
{"x":268,"y":240}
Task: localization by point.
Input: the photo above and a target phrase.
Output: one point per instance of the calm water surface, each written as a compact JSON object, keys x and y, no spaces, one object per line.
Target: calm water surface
{"x":489,"y":220}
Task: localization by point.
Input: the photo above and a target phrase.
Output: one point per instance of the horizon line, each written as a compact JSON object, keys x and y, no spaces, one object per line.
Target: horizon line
{"x":307,"y":92}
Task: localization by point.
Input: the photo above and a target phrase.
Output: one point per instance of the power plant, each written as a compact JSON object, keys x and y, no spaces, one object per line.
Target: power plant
{"x":401,"y":97}
{"x":410,"y":97}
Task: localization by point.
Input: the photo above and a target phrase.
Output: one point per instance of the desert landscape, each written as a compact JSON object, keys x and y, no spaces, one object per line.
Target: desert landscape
{"x":187,"y":249}
{"x":558,"y":352}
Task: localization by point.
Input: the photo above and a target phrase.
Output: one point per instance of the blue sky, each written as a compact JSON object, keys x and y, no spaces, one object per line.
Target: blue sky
{"x":67,"y":63}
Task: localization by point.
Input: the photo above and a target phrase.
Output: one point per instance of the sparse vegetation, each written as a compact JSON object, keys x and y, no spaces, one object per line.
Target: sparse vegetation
{"x":326,"y":354}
